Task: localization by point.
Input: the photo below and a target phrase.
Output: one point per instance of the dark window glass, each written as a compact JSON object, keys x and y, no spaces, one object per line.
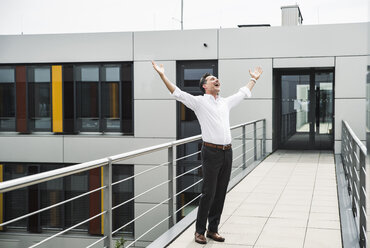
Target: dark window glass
{"x":68,"y":99}
{"x":7,"y":99}
{"x":127,"y":99}
{"x":77,"y":210}
{"x":87,"y":89}
{"x":39,"y":98}
{"x":51,"y":193}
{"x":121,"y":193}
{"x":15,"y":202}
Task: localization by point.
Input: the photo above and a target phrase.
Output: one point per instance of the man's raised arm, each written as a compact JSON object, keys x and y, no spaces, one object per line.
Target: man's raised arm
{"x":254,"y":77}
{"x":160,"y":70}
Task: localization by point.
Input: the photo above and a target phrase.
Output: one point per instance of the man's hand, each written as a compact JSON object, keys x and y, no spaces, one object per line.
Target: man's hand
{"x":257,"y":73}
{"x":159,"y":69}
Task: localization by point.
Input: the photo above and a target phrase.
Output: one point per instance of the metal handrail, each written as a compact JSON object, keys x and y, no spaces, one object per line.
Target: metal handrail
{"x":353,"y":156}
{"x":74,"y":169}
{"x":106,"y":164}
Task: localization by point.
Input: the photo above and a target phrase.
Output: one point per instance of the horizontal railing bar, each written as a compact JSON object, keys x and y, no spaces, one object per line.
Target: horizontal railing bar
{"x":133,"y":242}
{"x":186,"y":156}
{"x":364,"y":211}
{"x":46,"y":208}
{"x":247,"y":133}
{"x":128,"y":223}
{"x":143,"y":193}
{"x":188,"y":187}
{"x":364,"y":191}
{"x":357,"y":140}
{"x":186,"y":172}
{"x":237,"y":168}
{"x":96,"y":242}
{"x":50,"y":175}
{"x":140,"y":173}
{"x":365,"y":234}
{"x":74,"y":169}
{"x":241,"y":155}
{"x":66,"y":230}
{"x":187,"y":204}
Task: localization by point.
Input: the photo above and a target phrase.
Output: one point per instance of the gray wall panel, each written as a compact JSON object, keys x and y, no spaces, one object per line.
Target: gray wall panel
{"x":31,"y":148}
{"x":56,"y":48}
{"x":253,"y":109}
{"x":176,"y":45}
{"x":148,"y":84}
{"x":352,"y":111}
{"x":350,"y":77}
{"x":79,"y":149}
{"x":155,"y":118}
{"x":303,"y":62}
{"x":293,"y":41}
{"x":234,"y":74}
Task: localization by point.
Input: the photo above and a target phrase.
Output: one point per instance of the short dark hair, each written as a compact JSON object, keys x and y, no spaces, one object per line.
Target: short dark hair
{"x":203,"y":81}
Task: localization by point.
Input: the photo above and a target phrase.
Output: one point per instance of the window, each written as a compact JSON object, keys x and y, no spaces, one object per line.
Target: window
{"x":104,"y":98}
{"x":32,"y":198}
{"x":39,"y":98}
{"x":7,"y":99}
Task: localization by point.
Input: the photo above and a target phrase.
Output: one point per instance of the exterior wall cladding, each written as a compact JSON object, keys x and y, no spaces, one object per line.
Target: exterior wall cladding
{"x":340,"y":46}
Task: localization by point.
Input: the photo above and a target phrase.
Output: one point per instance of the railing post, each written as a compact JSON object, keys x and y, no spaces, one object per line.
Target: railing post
{"x":264,"y":138}
{"x":170,"y":187}
{"x":362,"y":201}
{"x":244,"y":149}
{"x":255,"y":140}
{"x":107,"y":201}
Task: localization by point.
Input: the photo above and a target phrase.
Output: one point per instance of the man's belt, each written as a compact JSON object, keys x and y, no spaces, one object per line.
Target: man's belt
{"x":222,"y":147}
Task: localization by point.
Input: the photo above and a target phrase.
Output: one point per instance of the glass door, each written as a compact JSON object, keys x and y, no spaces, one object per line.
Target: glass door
{"x":305,"y":109}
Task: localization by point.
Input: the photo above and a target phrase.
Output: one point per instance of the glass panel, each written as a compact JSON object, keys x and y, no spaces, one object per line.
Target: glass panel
{"x":15,"y":202}
{"x":77,"y":210}
{"x":192,"y":76}
{"x":39,"y":106}
{"x":42,"y":75}
{"x":324,"y":118}
{"x":89,"y":74}
{"x":121,"y":193}
{"x":88,"y":106}
{"x":295,"y":107}
{"x":111,"y":106}
{"x":127,"y":99}
{"x":7,"y":107}
{"x":51,"y":193}
{"x":111,"y":74}
{"x":7,"y":75}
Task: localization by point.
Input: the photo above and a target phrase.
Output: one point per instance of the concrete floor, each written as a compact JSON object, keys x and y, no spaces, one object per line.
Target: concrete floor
{"x":289,"y":200}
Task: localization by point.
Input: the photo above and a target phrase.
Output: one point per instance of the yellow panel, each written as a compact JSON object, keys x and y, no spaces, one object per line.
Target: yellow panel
{"x":102,"y":200}
{"x":1,"y":199}
{"x":57,"y":96}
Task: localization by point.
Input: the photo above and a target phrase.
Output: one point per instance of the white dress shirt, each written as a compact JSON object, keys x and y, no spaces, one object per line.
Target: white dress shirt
{"x":213,"y":114}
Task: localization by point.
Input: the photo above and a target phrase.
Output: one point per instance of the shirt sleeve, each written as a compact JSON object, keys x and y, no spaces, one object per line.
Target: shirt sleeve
{"x":187,"y":99}
{"x":235,"y":99}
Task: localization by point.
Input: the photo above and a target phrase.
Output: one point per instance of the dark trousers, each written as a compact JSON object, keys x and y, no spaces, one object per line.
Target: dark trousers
{"x":216,"y":167}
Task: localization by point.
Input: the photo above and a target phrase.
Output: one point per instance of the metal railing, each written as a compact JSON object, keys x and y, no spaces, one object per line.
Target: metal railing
{"x":354,"y":162}
{"x":257,"y":150}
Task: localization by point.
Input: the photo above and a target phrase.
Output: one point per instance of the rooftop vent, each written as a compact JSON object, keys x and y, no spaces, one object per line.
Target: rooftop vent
{"x":291,"y":15}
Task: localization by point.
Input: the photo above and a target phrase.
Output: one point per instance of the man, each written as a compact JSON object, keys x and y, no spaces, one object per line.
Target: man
{"x":212,"y":112}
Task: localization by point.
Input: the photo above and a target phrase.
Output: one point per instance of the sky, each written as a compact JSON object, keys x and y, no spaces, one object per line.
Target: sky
{"x":86,"y":16}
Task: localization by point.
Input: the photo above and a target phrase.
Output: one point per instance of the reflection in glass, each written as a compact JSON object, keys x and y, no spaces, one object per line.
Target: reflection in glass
{"x":87,"y":106}
{"x":7,"y":99}
{"x":110,"y":99}
{"x":39,"y":107}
